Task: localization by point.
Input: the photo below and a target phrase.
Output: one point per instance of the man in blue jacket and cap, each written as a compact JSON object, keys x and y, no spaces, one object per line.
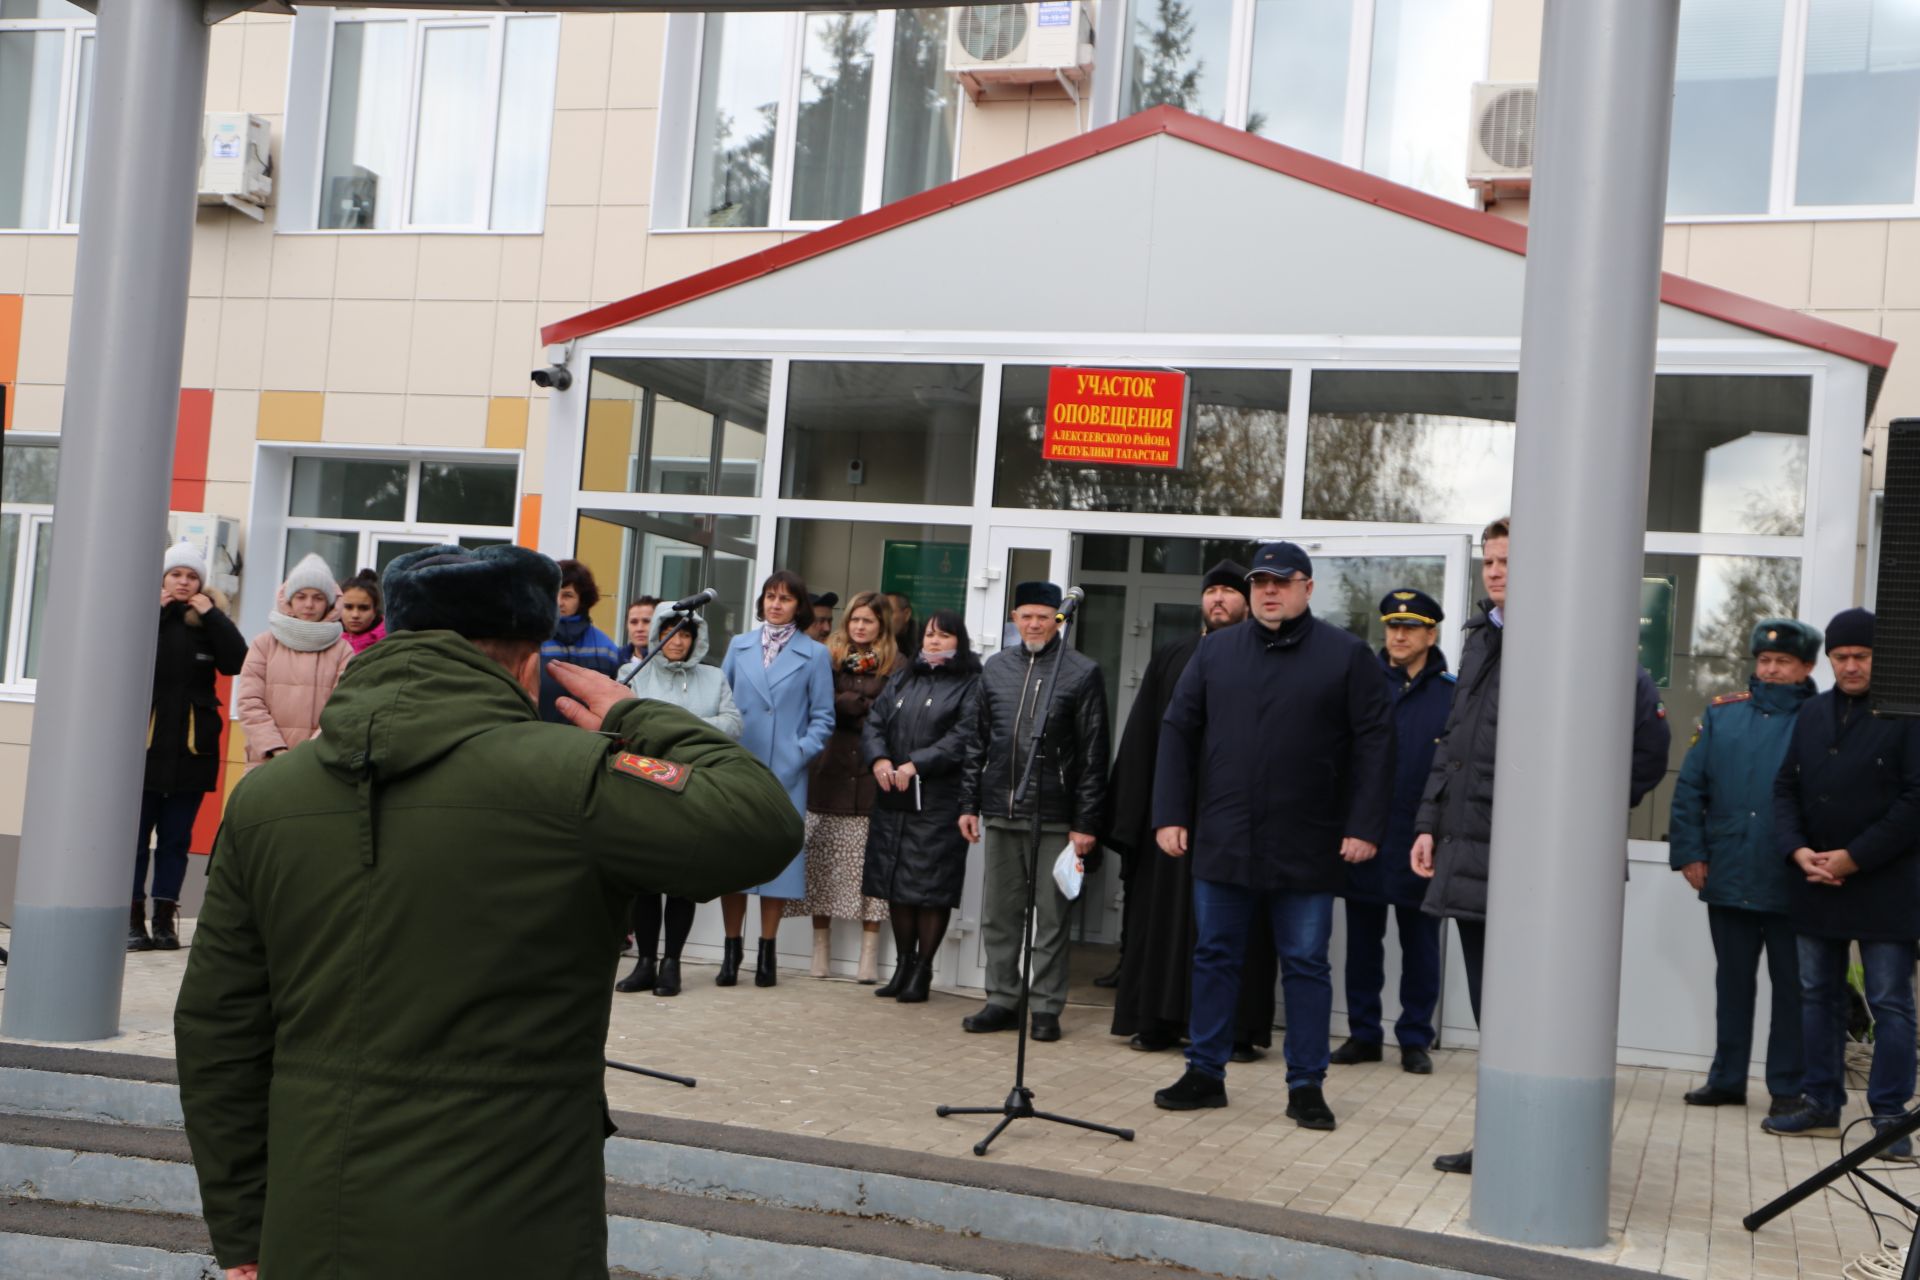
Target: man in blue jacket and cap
{"x":1275,"y":768}
{"x":1421,"y":688}
{"x":1721,"y":840}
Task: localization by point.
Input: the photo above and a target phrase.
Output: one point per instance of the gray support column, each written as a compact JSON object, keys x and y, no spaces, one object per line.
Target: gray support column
{"x":1544,"y":1132}
{"x":116,"y":453}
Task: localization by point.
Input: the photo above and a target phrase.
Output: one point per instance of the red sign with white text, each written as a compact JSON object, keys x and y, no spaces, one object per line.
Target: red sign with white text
{"x":1118,"y":417}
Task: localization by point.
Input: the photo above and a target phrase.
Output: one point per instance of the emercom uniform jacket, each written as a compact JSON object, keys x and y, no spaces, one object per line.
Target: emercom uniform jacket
{"x":1073,"y":756}
{"x":1723,"y":801}
{"x":390,"y":1035}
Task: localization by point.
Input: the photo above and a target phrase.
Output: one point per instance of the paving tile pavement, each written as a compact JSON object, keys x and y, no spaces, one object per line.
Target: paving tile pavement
{"x":827,"y":1058}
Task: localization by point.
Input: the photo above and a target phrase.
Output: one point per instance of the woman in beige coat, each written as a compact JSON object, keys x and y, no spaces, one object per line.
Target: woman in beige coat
{"x":293,"y":665}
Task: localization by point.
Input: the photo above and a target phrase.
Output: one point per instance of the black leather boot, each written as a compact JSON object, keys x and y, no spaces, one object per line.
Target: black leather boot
{"x":164,"y":936}
{"x":765,"y":966}
{"x":919,"y":982}
{"x":732,"y":951}
{"x":641,"y":979}
{"x":902,"y":970}
{"x":137,"y":939}
{"x":668,"y":983}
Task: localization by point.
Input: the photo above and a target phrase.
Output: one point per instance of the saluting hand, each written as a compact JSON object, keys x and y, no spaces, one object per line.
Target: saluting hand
{"x":1172,"y":841}
{"x":1354,"y":849}
{"x":593,"y":694}
{"x":1422,"y":857}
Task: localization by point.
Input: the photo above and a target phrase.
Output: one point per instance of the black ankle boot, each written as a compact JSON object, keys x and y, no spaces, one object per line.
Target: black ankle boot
{"x":902,"y":970}
{"x":641,"y":979}
{"x":164,"y":937}
{"x":919,"y":982}
{"x":137,"y":939}
{"x":732,"y":952}
{"x":668,"y":983}
{"x":765,"y":967}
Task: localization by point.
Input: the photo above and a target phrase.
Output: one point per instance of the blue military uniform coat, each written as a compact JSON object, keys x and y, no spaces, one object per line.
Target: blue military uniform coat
{"x":786,"y":713}
{"x":1723,"y":800}
{"x":1420,"y":709}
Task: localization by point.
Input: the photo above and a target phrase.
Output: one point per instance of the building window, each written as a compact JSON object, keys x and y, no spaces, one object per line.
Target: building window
{"x":676,"y":426}
{"x":671,"y":555}
{"x":28,"y":469}
{"x":873,"y":432}
{"x":435,"y":123}
{"x":1409,"y":447}
{"x":355,"y":512}
{"x":1382,"y":85}
{"x":800,"y":119}
{"x":46,"y":78}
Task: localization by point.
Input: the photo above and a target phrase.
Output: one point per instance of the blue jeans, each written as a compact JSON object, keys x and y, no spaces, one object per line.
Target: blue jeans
{"x":1823,"y":1007}
{"x":1739,"y":938}
{"x":1302,"y":928}
{"x":1367,"y":972}
{"x":172,"y":815}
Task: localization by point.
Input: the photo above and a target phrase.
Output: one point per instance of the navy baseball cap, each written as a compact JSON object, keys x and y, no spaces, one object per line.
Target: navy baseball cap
{"x":1282,"y":560}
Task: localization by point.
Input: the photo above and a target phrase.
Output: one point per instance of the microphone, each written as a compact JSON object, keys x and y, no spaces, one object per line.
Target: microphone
{"x":694,"y":601}
{"x":1072,"y":601}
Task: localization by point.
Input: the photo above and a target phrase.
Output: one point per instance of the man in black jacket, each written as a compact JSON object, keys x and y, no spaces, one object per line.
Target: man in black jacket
{"x":1454,"y":842}
{"x":1275,"y":772}
{"x":1069,"y":784}
{"x":1847,"y":813}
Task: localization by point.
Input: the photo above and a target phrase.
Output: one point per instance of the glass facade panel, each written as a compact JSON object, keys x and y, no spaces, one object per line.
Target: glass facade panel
{"x":830,"y":126}
{"x":1191,"y":557}
{"x":365,"y":158}
{"x":467,"y":493}
{"x":37,"y":598}
{"x":30,"y":73}
{"x":1729,"y":454}
{"x":28,"y":473}
{"x":82,"y":121}
{"x":924,"y":107}
{"x":348,"y":489}
{"x":1859,"y":103}
{"x":525,"y":126}
{"x":1717,"y":600}
{"x":1178,"y":56}
{"x":927,"y":563}
{"x":1414,"y":447}
{"x":1347,"y":589}
{"x":1297,"y":86}
{"x":741,"y":57}
{"x":340,"y":549}
{"x":10,"y":526}
{"x":1726,"y":83}
{"x":1236,"y":451}
{"x":1426,"y":56}
{"x":671,"y":556}
{"x":675,"y":426}
{"x":906,"y":430}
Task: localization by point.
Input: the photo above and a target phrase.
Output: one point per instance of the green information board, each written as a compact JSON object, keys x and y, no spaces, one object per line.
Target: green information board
{"x":1656,"y":628}
{"x":931,"y":574}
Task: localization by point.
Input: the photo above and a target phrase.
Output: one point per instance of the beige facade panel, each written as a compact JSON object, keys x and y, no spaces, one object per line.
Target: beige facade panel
{"x":50,"y":261}
{"x":675,"y":254}
{"x":236,"y":420}
{"x":459,"y":268}
{"x":626,"y":162}
{"x":445,"y":422}
{"x":1903,"y":264}
{"x":263,"y":65}
{"x":1849,"y":270}
{"x":298,"y":336}
{"x":242,"y":344}
{"x":520,"y":267}
{"x":303,"y":266}
{"x":1771,"y":261}
{"x":37,"y":406}
{"x":639,"y":41}
{"x":355,"y":418}
{"x":199,"y":355}
{"x":226,"y":56}
{"x":249,"y":265}
{"x":620,"y":252}
{"x":516,"y":350}
{"x":207,"y":273}
{"x":44,"y":321}
{"x":452,"y":349}
{"x":579,"y":138}
{"x":377,"y":267}
{"x":370,"y":346}
{"x":13,"y":264}
{"x":586,"y":61}
{"x":566,"y":256}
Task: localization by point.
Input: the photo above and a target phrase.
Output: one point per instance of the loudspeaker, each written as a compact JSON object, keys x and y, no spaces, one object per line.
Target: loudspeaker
{"x":1896,"y":625}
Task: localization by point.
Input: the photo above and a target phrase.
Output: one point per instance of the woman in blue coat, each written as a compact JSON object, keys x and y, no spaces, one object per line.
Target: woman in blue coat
{"x":783,"y":687}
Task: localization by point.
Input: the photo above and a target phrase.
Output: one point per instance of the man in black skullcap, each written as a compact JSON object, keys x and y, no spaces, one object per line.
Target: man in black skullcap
{"x":405,"y":962}
{"x":1069,"y":785}
{"x":1156,"y":958}
{"x":1847,"y":815}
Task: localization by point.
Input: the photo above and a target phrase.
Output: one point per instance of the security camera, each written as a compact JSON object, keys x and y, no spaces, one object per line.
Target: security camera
{"x":555,"y":377}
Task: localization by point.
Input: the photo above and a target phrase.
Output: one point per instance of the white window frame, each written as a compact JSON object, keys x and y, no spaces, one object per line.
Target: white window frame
{"x":61,"y":216}
{"x":36,"y":522}
{"x":324,"y":22}
{"x":674,"y":189}
{"x":407,"y":529}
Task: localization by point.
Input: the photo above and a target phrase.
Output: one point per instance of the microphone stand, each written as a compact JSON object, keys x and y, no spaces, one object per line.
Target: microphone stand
{"x":680,"y":623}
{"x":1850,"y":1163}
{"x":1019,"y":1101}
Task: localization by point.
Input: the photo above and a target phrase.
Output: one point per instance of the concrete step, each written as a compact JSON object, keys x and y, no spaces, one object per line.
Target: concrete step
{"x":699,"y":1200}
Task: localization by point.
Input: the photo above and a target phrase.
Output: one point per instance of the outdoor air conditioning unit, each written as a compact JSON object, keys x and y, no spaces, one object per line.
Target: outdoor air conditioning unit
{"x":1021,"y":44}
{"x":215,"y":537}
{"x":1500,"y":145}
{"x":236,"y":162}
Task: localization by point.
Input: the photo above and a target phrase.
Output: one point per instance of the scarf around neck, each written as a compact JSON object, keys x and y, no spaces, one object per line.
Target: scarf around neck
{"x":303,"y":637}
{"x":773,"y":639}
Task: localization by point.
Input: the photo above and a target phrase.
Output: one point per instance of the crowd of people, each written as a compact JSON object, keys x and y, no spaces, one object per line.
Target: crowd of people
{"x":1272,"y":765}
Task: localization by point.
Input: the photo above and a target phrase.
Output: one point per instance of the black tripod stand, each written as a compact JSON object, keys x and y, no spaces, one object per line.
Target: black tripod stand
{"x":680,"y":623}
{"x":1019,"y":1103}
{"x":1850,"y":1163}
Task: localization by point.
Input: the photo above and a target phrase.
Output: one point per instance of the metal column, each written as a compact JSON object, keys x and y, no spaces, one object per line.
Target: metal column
{"x":1544,"y":1132}
{"x":116,"y":454}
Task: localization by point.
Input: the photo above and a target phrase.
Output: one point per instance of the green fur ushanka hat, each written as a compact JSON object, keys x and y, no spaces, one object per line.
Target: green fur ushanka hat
{"x":490,"y":593}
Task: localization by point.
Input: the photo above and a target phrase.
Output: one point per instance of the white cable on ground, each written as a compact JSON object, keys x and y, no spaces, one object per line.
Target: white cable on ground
{"x":1884,"y":1263}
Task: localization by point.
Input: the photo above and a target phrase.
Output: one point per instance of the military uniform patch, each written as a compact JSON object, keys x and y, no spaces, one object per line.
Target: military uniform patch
{"x":662,"y":773}
{"x":1725,"y":698}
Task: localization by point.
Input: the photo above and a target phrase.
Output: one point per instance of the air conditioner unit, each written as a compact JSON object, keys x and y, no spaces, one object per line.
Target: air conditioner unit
{"x":215,"y":537}
{"x":1500,"y":142}
{"x":1020,"y":43}
{"x":236,"y":162}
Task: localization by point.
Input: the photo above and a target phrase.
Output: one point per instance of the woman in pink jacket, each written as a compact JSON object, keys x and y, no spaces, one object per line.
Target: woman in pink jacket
{"x":293,"y":665}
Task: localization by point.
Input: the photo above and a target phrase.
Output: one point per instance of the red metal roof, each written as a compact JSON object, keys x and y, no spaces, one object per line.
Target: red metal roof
{"x":1502,"y":233}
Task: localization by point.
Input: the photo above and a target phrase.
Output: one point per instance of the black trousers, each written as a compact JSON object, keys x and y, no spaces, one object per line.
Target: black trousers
{"x":1473,"y":951}
{"x":1739,"y":939}
{"x":647,"y":914}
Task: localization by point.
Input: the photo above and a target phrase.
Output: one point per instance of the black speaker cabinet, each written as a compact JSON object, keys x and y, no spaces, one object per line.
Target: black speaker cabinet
{"x":1896,"y":627}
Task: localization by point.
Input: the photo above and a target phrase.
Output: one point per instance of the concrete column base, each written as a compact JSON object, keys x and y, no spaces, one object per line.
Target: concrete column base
{"x":63,"y":973}
{"x":1541,"y":1158}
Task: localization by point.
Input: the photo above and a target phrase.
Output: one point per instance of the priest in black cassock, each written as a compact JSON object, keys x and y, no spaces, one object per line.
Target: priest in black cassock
{"x":1157,"y":931}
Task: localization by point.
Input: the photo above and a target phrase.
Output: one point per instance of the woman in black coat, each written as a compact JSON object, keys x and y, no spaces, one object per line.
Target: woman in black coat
{"x":916,"y":741}
{"x":197,"y":641}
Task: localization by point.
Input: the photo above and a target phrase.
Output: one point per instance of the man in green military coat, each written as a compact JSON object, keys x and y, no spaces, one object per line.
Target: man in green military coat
{"x":391,"y":1031}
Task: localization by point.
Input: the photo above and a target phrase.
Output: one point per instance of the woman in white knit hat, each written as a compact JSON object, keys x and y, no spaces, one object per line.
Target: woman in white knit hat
{"x":197,"y":640}
{"x":293,"y":665}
